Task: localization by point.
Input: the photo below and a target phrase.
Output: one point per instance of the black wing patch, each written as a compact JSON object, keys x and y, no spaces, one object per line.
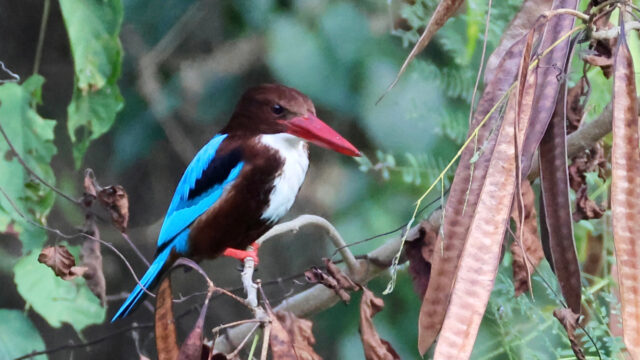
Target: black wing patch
{"x":216,"y":172}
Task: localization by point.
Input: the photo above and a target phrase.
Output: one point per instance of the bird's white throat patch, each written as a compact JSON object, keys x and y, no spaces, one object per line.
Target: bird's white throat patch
{"x":293,"y":151}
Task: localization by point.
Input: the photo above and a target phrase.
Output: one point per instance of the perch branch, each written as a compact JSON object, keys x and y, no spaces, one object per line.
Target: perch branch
{"x":319,"y":298}
{"x":304,"y":220}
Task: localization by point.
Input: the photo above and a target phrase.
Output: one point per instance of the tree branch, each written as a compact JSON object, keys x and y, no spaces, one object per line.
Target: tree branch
{"x":304,"y":220}
{"x":583,"y":138}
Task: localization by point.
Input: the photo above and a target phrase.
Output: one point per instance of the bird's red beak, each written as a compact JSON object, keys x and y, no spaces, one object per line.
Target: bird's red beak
{"x":310,"y":128}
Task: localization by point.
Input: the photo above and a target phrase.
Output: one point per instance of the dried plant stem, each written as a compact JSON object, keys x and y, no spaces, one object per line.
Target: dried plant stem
{"x":43,"y":28}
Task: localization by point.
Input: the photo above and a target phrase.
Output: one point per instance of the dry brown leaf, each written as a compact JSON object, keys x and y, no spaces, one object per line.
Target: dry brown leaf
{"x":300,"y":334}
{"x":586,"y":208}
{"x":316,"y":275}
{"x":92,"y":260}
{"x":600,"y":52}
{"x":524,"y":20}
{"x":342,"y":279}
{"x":419,"y":252}
{"x":116,"y":200}
{"x":576,"y":100}
{"x":625,"y":192}
{"x":165,"y":327}
{"x":592,"y":160}
{"x":569,"y":321}
{"x":89,"y":183}
{"x":531,"y":242}
{"x":445,"y":10}
{"x":279,"y":340}
{"x":375,"y":348}
{"x":462,"y":202}
{"x":60,"y":260}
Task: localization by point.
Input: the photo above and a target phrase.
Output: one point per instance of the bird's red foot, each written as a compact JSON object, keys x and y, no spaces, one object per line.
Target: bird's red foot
{"x":243,"y":254}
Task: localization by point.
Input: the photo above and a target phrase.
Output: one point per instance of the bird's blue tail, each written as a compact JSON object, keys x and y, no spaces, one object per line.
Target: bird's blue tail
{"x":148,"y":281}
{"x":152,"y":275}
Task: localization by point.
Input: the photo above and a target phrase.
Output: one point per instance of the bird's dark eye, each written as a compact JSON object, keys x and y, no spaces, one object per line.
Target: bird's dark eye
{"x":277,"y":109}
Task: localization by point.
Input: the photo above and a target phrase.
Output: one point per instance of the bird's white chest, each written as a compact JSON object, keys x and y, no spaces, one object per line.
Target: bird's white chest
{"x":288,"y":181}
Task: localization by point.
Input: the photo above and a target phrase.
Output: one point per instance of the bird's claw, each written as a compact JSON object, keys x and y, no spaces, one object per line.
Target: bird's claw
{"x":251,"y":252}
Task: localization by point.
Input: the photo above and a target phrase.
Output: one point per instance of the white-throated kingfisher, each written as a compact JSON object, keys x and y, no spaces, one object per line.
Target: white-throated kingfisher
{"x":241,"y":182}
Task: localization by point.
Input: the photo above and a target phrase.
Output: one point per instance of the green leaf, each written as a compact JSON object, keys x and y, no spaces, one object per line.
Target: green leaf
{"x":93,"y":27}
{"x":18,"y":336}
{"x":56,"y":300}
{"x":32,"y":137}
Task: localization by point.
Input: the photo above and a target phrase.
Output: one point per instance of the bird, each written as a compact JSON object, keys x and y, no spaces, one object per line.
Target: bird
{"x":241,"y":182}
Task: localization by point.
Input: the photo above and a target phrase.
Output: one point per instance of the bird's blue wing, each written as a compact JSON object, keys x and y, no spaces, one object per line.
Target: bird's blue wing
{"x":202,"y":184}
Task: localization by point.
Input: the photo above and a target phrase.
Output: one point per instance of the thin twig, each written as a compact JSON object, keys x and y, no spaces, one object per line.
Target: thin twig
{"x":134,"y":326}
{"x":482,"y":59}
{"x":265,"y":342}
{"x":235,"y":323}
{"x":85,"y":344}
{"x":244,"y":341}
{"x":33,"y":173}
{"x":43,"y":28}
{"x":15,"y":76}
{"x":135,"y":249}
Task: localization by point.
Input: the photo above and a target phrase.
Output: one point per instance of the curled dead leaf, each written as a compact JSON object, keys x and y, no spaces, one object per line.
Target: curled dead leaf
{"x":92,"y":260}
{"x":419,"y":252}
{"x":340,"y":284}
{"x":530,"y":241}
{"x":61,"y":261}
{"x":592,"y":160}
{"x":343,"y":280}
{"x":299,"y":334}
{"x":586,"y":208}
{"x":442,"y":13}
{"x":90,"y":192}
{"x":375,"y":348}
{"x":192,"y":347}
{"x":279,"y":340}
{"x":569,"y":321}
{"x":115,"y":199}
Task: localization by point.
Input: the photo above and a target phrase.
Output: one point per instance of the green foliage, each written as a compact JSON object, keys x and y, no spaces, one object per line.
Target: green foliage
{"x":18,"y":336}
{"x":56,"y":300}
{"x":320,"y":63}
{"x":32,"y":137}
{"x":93,"y":27}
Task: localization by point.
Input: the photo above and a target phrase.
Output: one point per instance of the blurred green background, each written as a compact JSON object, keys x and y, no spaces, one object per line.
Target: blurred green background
{"x":185,"y":64}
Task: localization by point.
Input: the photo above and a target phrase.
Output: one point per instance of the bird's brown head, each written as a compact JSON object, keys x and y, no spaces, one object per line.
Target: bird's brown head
{"x":274,"y":108}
